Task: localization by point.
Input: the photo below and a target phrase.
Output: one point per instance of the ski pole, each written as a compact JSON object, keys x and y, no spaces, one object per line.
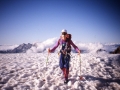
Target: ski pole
{"x":47,"y":59}
{"x":46,"y":66}
{"x":80,"y":64}
{"x":80,"y":67}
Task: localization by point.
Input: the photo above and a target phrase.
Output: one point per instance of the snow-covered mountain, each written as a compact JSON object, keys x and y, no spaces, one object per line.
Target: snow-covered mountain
{"x":49,"y":43}
{"x":19,"y":49}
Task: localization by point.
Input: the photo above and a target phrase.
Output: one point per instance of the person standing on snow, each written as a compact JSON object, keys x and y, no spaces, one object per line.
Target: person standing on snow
{"x":64,"y":52}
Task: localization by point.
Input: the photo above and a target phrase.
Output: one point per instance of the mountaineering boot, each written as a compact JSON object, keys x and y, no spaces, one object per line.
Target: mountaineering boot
{"x":66,"y":81}
{"x":66,"y":72}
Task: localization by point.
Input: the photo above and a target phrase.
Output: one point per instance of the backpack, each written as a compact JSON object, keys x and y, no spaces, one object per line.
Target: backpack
{"x":69,"y":36}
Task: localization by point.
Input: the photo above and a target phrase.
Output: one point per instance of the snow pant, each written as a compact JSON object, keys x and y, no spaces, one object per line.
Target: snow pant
{"x":64,"y":64}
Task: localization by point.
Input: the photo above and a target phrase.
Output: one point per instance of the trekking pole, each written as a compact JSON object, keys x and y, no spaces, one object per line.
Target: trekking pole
{"x":47,"y":59}
{"x":46,"y":66}
{"x":80,"y":67}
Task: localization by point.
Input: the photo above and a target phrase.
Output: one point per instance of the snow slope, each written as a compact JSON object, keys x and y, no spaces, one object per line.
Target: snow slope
{"x":24,"y":71}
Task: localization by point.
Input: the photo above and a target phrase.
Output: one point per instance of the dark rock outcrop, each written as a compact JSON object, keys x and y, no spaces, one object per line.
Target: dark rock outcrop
{"x":100,"y":50}
{"x":117,"y":51}
{"x":20,"y":49}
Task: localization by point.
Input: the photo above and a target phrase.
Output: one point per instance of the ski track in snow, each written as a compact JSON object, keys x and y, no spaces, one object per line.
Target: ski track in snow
{"x":24,"y":71}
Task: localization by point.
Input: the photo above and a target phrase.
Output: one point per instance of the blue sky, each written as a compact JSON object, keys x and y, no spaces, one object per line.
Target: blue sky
{"x":27,"y":21}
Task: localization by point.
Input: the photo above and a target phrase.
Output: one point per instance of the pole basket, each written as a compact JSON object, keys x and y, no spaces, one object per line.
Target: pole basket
{"x":80,"y":77}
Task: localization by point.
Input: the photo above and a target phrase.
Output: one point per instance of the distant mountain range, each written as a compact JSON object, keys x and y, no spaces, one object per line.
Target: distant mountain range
{"x":20,"y":49}
{"x":49,"y":43}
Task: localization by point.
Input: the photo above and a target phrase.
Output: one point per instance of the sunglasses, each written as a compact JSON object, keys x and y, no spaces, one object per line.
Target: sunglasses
{"x":64,"y":33}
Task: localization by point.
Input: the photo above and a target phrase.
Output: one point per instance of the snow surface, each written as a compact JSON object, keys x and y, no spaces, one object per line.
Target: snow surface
{"x":26,"y":71}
